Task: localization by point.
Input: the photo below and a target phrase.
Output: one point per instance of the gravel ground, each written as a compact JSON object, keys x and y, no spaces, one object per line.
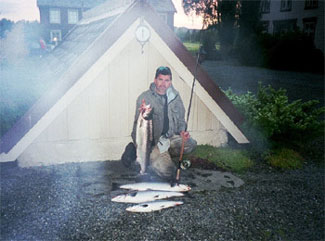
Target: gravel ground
{"x":72,"y":202}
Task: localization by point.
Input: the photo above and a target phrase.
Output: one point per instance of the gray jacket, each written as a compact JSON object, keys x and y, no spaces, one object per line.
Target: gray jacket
{"x":176,"y":112}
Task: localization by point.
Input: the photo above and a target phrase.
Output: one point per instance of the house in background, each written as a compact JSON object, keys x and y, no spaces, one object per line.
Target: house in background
{"x":288,"y":15}
{"x":59,"y":16}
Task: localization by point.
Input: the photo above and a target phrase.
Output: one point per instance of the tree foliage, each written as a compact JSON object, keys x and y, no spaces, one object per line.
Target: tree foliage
{"x":217,"y":14}
{"x":227,"y":17}
{"x":18,"y":39}
{"x":5,"y":27}
{"x":13,"y":46}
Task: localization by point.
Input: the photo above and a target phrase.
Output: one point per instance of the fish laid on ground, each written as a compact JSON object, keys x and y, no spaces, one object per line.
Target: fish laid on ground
{"x":145,"y":196}
{"x":161,"y":186}
{"x":144,"y":136}
{"x":153,"y":206}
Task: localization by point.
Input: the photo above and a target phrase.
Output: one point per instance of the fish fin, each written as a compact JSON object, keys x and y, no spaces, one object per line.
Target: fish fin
{"x":133,"y":194}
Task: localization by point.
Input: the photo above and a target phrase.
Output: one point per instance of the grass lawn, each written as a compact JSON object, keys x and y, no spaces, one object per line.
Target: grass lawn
{"x":223,"y":157}
{"x":193,"y":47}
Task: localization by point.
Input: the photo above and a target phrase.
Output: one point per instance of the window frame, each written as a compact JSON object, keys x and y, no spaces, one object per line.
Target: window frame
{"x":285,"y":5}
{"x":265,"y":26}
{"x":71,"y":11}
{"x":284,"y":26}
{"x":53,"y":18}
{"x":265,"y":6}
{"x":54,"y":32}
{"x":310,"y":21}
{"x":311,"y":4}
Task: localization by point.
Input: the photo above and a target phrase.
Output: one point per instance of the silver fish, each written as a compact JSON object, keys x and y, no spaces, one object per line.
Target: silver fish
{"x":153,"y":206}
{"x":161,"y":186}
{"x":144,"y":136}
{"x":145,"y":196}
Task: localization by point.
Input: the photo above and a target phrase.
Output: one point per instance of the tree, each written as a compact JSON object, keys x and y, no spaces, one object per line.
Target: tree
{"x":13,"y":46}
{"x":19,"y":39}
{"x":217,"y":14}
{"x":5,"y":27}
{"x":227,"y":16}
{"x":249,"y":18}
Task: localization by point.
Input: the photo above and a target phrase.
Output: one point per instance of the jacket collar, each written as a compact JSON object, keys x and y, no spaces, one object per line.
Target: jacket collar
{"x":171,"y":92}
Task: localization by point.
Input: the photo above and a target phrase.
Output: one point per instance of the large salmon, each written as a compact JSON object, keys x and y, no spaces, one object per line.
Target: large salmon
{"x":145,"y":196}
{"x":161,"y":186}
{"x":153,"y":206}
{"x":144,"y":136}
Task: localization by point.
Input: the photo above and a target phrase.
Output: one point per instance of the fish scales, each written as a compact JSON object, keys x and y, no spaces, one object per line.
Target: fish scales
{"x":145,"y":196}
{"x":161,"y":186}
{"x":153,"y":206}
{"x":144,"y":136}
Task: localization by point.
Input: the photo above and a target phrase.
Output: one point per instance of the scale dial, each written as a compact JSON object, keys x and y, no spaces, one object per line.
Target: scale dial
{"x":142,"y":33}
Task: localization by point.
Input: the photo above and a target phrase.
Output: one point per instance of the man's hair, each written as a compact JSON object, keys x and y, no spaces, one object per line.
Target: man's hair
{"x":164,"y":71}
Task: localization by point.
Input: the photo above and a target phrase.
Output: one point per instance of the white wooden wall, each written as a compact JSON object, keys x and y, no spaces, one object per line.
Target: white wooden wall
{"x":98,"y":123}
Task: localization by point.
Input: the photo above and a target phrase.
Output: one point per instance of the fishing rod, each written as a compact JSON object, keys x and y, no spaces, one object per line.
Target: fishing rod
{"x":187,"y":119}
{"x":178,"y":172}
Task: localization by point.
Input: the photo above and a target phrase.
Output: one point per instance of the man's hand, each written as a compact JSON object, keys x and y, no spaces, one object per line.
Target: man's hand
{"x":185,"y":135}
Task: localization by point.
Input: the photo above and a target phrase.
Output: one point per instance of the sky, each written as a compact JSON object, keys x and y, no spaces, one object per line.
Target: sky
{"x":16,"y":10}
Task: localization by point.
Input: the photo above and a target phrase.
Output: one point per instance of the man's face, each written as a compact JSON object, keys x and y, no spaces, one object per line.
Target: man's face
{"x":163,"y":82}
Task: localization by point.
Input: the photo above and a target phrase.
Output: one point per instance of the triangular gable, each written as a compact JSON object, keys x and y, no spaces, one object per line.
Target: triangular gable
{"x":41,"y":114}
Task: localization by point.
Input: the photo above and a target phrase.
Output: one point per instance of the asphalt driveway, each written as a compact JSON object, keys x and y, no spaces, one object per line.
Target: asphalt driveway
{"x":299,"y":85}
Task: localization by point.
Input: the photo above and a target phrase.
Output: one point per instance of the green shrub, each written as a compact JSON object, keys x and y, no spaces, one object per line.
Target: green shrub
{"x":278,"y":121}
{"x":224,"y":157}
{"x":285,"y":159}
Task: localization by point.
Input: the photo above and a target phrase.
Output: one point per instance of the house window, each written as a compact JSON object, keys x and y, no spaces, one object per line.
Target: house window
{"x":265,"y":26}
{"x":265,"y":6}
{"x":55,"y":15}
{"x":73,"y":16}
{"x":55,"y":36}
{"x":283,"y":26}
{"x":310,"y":4}
{"x":286,"y":5}
{"x":163,"y":16}
{"x":309,"y":26}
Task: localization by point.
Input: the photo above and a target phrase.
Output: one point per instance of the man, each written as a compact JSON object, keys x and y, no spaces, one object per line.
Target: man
{"x":169,"y":125}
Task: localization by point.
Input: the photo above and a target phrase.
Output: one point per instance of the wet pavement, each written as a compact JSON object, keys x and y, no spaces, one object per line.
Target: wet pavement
{"x":299,"y":85}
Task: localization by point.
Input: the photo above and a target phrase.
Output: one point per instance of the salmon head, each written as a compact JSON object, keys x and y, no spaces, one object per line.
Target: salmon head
{"x":145,"y":110}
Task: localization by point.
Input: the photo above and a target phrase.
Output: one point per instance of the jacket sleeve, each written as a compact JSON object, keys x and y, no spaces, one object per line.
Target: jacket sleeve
{"x":181,"y":125}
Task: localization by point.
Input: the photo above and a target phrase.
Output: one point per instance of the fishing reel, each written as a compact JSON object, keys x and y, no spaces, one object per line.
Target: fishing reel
{"x":185,"y":164}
